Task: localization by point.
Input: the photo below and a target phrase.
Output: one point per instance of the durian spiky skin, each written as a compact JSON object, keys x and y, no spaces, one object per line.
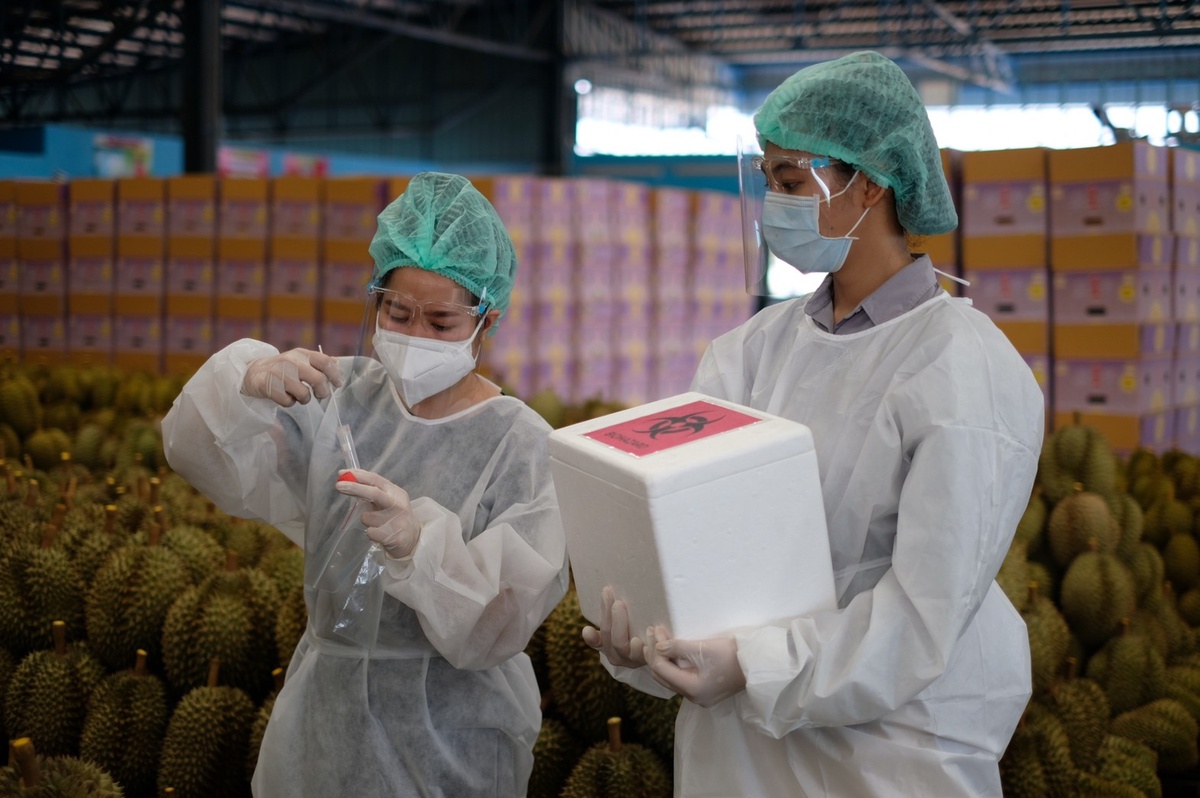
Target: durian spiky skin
{"x":1079,"y":523}
{"x":1131,"y":671}
{"x":1049,"y":640}
{"x":38,"y":586}
{"x":632,"y":771}
{"x":583,"y":690}
{"x":1132,"y":763}
{"x":290,"y":623}
{"x":1166,"y":726}
{"x":1082,"y":706}
{"x":1097,"y":592}
{"x":128,"y":603}
{"x":124,"y":728}
{"x":554,"y":756}
{"x":47,"y":698}
{"x":201,"y":554}
{"x":207,"y":741}
{"x":231,"y":616}
{"x":62,"y":777}
{"x":257,"y":729}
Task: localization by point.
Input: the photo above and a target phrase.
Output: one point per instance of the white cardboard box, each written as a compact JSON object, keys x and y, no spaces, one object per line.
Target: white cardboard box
{"x":705,"y":516}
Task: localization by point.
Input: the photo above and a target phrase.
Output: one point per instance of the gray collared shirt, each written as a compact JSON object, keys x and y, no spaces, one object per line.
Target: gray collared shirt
{"x":903,"y":291}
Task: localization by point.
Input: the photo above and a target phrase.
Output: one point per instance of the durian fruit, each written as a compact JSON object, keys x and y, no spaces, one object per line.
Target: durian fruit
{"x":1130,"y":520}
{"x":1076,"y":453}
{"x":618,"y":770}
{"x":1081,"y":522}
{"x":8,"y":667}
{"x":124,"y":728}
{"x":89,"y":535}
{"x":1130,"y":762}
{"x":554,"y":757}
{"x":1182,"y":682}
{"x":129,"y":599}
{"x":283,"y":562}
{"x":87,"y":448}
{"x":1053,"y":747}
{"x":45,"y":447}
{"x":230,"y":616}
{"x":1021,"y":772}
{"x":201,"y":555}
{"x":48,"y":695}
{"x":207,"y":742}
{"x":1013,"y":576}
{"x":1097,"y":592}
{"x":1093,"y":785}
{"x":1146,"y":565}
{"x":1166,"y":726}
{"x":259,"y":727}
{"x":1032,"y":525}
{"x":1081,"y":705}
{"x":290,"y":623}
{"x":1181,"y":558}
{"x":248,"y":539}
{"x":549,"y":405}
{"x":652,"y":721}
{"x":1049,"y":638}
{"x":38,"y":586}
{"x":35,"y":776}
{"x":582,"y":689}
{"x":20,"y":407}
{"x":1189,"y":606}
{"x":1166,"y":517}
{"x":1130,"y":669}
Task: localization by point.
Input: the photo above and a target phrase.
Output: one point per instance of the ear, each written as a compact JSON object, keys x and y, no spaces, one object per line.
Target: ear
{"x":489,"y":321}
{"x":873,"y":193}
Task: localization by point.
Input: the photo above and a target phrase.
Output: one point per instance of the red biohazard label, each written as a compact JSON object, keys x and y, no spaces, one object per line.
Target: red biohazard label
{"x":671,"y":427}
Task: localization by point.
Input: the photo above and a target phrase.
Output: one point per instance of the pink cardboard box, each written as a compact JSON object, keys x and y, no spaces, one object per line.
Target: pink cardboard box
{"x":1139,"y":296}
{"x":90,"y":334}
{"x":228,"y":330}
{"x":285,"y":334}
{"x":1017,"y":295}
{"x":1114,"y":386}
{"x":189,"y":335}
{"x":1004,"y":208}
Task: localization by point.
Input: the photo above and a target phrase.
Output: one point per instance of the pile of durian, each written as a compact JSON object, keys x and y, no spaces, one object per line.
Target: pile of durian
{"x":142,"y":632}
{"x":1105,"y":570}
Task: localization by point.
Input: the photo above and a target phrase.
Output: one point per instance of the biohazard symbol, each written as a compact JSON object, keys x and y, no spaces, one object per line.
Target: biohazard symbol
{"x":690,"y":424}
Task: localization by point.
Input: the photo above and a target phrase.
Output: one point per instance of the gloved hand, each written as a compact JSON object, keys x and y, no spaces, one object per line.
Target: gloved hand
{"x":388,"y":515}
{"x":612,"y":638}
{"x":285,"y":378}
{"x":705,"y":672}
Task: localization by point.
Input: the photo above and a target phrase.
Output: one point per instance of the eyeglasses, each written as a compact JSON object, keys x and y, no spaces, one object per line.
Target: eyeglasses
{"x":782,"y":171}
{"x":398,"y":309}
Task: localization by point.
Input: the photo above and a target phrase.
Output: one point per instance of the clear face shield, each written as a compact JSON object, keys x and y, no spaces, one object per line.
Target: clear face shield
{"x":402,"y":340}
{"x":766,"y":274}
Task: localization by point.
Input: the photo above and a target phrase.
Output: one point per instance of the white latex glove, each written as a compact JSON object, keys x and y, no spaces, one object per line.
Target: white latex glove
{"x":293,"y":376}
{"x":705,"y":672}
{"x":612,"y":638}
{"x":388,"y":515}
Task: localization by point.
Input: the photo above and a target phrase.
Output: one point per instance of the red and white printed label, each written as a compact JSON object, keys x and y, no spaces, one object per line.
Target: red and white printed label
{"x":671,"y":427}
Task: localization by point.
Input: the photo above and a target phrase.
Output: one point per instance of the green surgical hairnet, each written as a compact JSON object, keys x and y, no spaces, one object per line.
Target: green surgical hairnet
{"x":441,"y":223}
{"x":862,"y":109}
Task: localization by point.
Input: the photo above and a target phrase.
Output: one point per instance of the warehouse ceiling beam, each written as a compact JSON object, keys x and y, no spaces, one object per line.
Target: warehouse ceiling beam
{"x":333,"y":70}
{"x":365,"y":19}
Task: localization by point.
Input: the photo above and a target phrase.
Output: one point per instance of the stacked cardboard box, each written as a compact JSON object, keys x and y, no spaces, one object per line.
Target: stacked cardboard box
{"x":1185,"y":225}
{"x":633,"y":345}
{"x":717,"y":277}
{"x":1004,"y":237}
{"x":508,"y":356}
{"x":1114,"y":327}
{"x":556,"y":250}
{"x":348,"y":213}
{"x":191,"y":265}
{"x":671,"y":252}
{"x":593,"y":339}
{"x":10,"y":325}
{"x":944,"y":249}
{"x":241,"y":260}
{"x":293,"y":249}
{"x":91,"y":258}
{"x":41,"y":236}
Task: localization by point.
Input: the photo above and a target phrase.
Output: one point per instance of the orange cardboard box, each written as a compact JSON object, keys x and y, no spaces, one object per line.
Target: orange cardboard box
{"x":93,"y":207}
{"x":141,"y":207}
{"x":41,"y":210}
{"x":243,"y":209}
{"x":296,"y":207}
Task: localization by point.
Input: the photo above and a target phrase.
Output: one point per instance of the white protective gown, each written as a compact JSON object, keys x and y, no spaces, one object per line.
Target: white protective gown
{"x":927,"y":430}
{"x":445,"y":702}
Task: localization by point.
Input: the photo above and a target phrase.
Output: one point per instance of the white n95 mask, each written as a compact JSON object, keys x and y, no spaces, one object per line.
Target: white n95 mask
{"x":790,"y":229}
{"x":422,"y":367}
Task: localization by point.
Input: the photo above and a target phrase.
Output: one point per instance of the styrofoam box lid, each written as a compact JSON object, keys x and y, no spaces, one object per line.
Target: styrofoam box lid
{"x":676,"y":443}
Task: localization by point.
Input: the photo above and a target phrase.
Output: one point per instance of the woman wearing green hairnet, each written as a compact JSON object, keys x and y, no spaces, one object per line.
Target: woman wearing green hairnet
{"x":927,"y":426}
{"x":422,"y":497}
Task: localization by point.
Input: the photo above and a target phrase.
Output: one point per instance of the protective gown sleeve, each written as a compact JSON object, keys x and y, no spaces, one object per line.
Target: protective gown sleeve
{"x":960,"y":502}
{"x":480,"y":601}
{"x":227,"y":445}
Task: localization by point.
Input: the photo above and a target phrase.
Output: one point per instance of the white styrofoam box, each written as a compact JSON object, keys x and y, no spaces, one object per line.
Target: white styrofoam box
{"x":705,"y":516}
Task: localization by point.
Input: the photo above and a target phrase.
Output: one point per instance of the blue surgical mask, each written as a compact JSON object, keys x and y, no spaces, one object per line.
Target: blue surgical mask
{"x":792,"y":233}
